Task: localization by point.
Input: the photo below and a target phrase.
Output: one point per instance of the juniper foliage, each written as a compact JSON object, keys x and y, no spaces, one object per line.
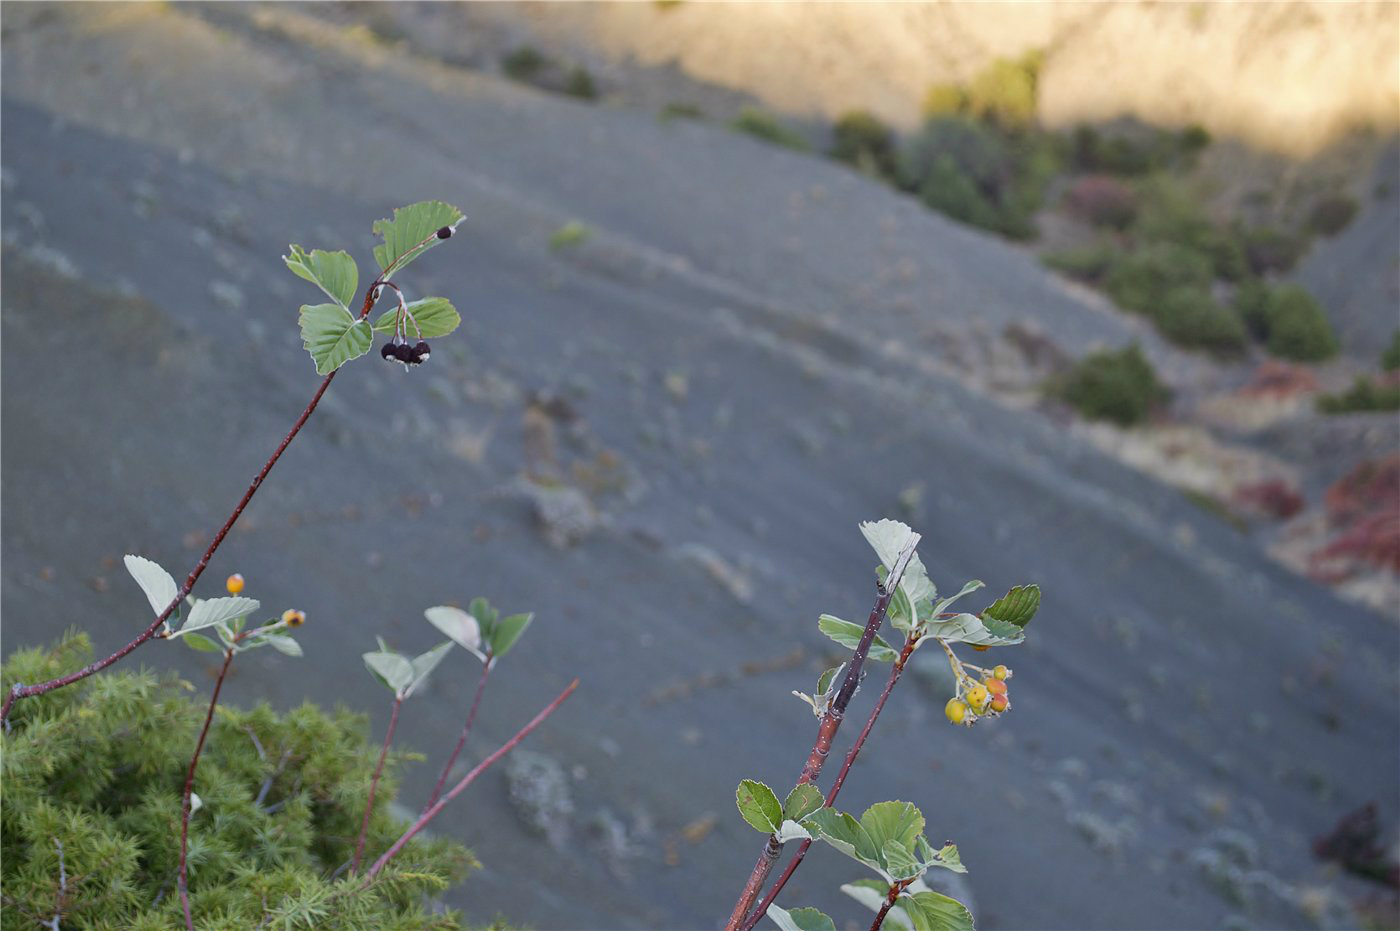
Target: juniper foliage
{"x":90,"y":827}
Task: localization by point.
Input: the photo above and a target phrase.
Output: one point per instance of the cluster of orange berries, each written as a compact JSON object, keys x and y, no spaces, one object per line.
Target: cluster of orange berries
{"x":291,"y":617}
{"x":990,"y":696}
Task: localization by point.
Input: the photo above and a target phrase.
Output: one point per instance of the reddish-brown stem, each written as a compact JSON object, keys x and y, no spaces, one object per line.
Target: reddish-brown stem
{"x":462,"y":740}
{"x":762,"y":909}
{"x":374,"y":783}
{"x":189,"y":788}
{"x":467,"y":780}
{"x":890,"y":899}
{"x":25,"y":691}
{"x":826,"y":730}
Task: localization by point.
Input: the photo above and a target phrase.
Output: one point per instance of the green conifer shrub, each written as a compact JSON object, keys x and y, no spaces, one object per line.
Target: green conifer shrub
{"x":1117,"y":386}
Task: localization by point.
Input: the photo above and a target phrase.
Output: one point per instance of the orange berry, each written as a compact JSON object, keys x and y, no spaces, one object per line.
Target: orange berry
{"x":234,"y":584}
{"x":995,"y":686}
{"x":293,"y":618}
{"x":1000,"y":703}
{"x":956,"y":710}
{"x":981,"y":649}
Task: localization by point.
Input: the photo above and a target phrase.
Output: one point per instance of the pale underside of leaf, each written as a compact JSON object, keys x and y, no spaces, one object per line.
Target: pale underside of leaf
{"x":157,"y":584}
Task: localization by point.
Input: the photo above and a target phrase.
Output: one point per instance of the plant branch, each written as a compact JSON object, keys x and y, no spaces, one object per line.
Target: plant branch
{"x":462,"y":740}
{"x":189,"y":788}
{"x":467,"y":780}
{"x":762,"y":909}
{"x":61,"y":896}
{"x":890,"y":899}
{"x":374,"y":784}
{"x":25,"y":691}
{"x":827,"y":728}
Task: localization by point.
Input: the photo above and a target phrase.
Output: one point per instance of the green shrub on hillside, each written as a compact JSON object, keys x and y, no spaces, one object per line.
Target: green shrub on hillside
{"x":1252,"y":303}
{"x":1142,"y":278}
{"x":524,"y":63}
{"x":1005,"y":91}
{"x":1332,"y":214}
{"x":863,"y":140}
{"x":1190,"y":317}
{"x":1171,"y":212}
{"x":1390,"y":359}
{"x":1298,"y":329}
{"x":1272,"y":250}
{"x":1364,"y":395}
{"x":1086,"y":263}
{"x":580,"y":84}
{"x":1136,"y":150}
{"x":945,"y":100}
{"x":91,"y":820}
{"x":765,"y":126}
{"x":1118,"y":386}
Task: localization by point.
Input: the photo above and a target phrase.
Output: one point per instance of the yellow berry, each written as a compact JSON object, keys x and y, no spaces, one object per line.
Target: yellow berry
{"x":234,"y":584}
{"x":1000,"y":703}
{"x":977,"y":697}
{"x":293,"y":618}
{"x":956,"y":710}
{"x":1000,"y":672}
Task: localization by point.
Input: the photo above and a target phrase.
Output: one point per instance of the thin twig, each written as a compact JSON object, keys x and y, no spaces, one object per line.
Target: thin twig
{"x":890,"y":899}
{"x":462,"y":740}
{"x":465,"y":781}
{"x":826,"y":729}
{"x":272,"y":777}
{"x":374,"y":783}
{"x":60,"y":898}
{"x":189,"y":787}
{"x":762,"y":908}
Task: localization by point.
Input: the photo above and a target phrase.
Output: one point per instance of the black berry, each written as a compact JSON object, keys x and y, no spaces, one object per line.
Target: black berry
{"x":421,"y":351}
{"x":445,"y":232}
{"x":403,"y":352}
{"x":388,"y":351}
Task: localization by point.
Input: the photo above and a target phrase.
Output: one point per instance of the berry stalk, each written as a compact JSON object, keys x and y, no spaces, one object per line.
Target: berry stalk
{"x":374,"y":783}
{"x":189,"y":789}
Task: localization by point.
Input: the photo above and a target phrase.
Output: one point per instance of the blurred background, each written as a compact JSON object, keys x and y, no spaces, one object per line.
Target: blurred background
{"x":1098,"y":296}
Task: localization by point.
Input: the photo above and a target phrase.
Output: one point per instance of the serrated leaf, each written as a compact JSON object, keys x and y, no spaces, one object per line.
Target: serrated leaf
{"x":201,"y":643}
{"x":887,"y":821}
{"x":899,"y":861}
{"x":423,"y":665}
{"x":411,"y":232}
{"x":843,"y":832}
{"x":900,"y":612}
{"x":933,"y":911}
{"x":759,"y":806}
{"x":434,"y":316}
{"x":158,"y":585}
{"x":802,"y":801}
{"x":282,"y":644}
{"x":210,"y":611}
{"x":393,"y":670}
{"x":946,"y":857}
{"x":333,"y":336}
{"x":969,"y":628}
{"x":799,"y":919}
{"x":871,"y":893}
{"x":505,"y":632}
{"x":1016,"y":607}
{"x":463,"y":629}
{"x":848,"y":634}
{"x":333,"y":272}
{"x":791,"y":830}
{"x":888,"y":538}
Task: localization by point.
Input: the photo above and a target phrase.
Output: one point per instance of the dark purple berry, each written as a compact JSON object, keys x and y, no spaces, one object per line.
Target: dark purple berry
{"x":403,"y":352}
{"x":421,"y":351}
{"x":388,"y":351}
{"x":445,"y":232}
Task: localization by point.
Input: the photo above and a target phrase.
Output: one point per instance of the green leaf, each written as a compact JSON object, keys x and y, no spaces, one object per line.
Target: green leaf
{"x":901,"y":612}
{"x":210,"y":611}
{"x":887,"y":821}
{"x":423,"y":665}
{"x":435,"y":317}
{"x":1016,"y":607}
{"x":899,"y":861}
{"x":332,"y":336}
{"x":282,"y":644}
{"x":843,"y":832}
{"x":759,"y":806}
{"x":871,"y":893}
{"x":202,"y":643}
{"x":481,"y":609}
{"x":463,"y":629}
{"x":888,"y":537}
{"x":848,"y":634}
{"x":800,"y":919}
{"x":333,"y":272}
{"x":505,"y":632}
{"x":946,"y":857}
{"x":393,"y":670}
{"x":969,"y":628}
{"x":158,"y":584}
{"x":802,"y":801}
{"x":411,"y":232}
{"x":827,"y":679}
{"x":933,"y":911}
